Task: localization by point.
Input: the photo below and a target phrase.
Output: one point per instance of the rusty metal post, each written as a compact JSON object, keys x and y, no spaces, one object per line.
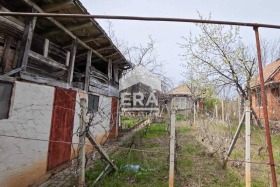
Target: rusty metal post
{"x":265,"y":114}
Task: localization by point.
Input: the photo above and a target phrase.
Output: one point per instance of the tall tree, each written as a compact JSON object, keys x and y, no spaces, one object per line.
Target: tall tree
{"x":218,"y":53}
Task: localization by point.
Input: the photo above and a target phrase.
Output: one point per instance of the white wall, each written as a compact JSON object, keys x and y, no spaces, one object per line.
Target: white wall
{"x":101,"y":121}
{"x":22,"y":161}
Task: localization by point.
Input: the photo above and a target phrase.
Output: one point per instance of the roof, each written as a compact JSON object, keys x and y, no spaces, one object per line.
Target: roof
{"x":268,"y":73}
{"x":180,"y":90}
{"x":87,"y":30}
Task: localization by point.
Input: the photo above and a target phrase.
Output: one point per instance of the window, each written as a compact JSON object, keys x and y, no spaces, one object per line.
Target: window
{"x":93,"y":103}
{"x":5,"y":99}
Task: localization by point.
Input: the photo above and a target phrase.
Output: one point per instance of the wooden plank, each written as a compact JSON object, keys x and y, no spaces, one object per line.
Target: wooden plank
{"x":58,"y":6}
{"x":7,"y":46}
{"x":116,"y":72}
{"x":13,"y":24}
{"x":110,"y":69}
{"x":59,"y":25}
{"x":46,"y":60}
{"x":26,"y":42}
{"x":71,"y":28}
{"x":15,"y":61}
{"x":98,"y":91}
{"x":46,"y":47}
{"x":42,"y":80}
{"x":7,"y":79}
{"x":14,"y":71}
{"x":72,"y":62}
{"x":12,"y":19}
{"x":99,"y":148}
{"x":87,"y":74}
{"x":172,"y":148}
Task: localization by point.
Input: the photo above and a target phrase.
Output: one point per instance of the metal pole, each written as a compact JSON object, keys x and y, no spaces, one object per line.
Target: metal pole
{"x":247,"y":147}
{"x":113,"y":17}
{"x":265,"y":114}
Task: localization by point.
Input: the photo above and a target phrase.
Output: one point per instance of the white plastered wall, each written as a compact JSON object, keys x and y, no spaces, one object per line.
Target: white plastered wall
{"x":24,"y":160}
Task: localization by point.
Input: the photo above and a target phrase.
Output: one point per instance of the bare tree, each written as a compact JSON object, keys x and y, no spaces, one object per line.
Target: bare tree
{"x":142,"y":55}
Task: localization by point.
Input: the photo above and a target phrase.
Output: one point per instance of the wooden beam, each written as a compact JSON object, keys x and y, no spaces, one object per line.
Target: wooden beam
{"x":105,"y":48}
{"x":67,"y":58}
{"x":46,"y":47}
{"x":43,"y":80}
{"x":14,"y":71}
{"x":87,"y":74}
{"x":72,"y":62}
{"x":116,"y":72}
{"x":88,"y":39}
{"x":233,"y":141}
{"x":99,"y":148}
{"x":59,"y":25}
{"x":15,"y":22}
{"x":71,"y":28}
{"x":116,"y":53}
{"x":9,"y":22}
{"x":26,"y":42}
{"x":6,"y":50}
{"x":110,"y":69}
{"x":15,"y":61}
{"x":58,"y":6}
{"x":46,"y":60}
{"x":7,"y":78}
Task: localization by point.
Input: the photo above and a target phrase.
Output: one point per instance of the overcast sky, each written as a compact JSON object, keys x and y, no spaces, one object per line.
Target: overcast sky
{"x":169,"y":34}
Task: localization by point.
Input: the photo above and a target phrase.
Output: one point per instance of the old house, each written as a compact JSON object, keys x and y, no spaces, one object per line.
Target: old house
{"x":46,"y":66}
{"x":182,"y":98}
{"x":271,"y":74}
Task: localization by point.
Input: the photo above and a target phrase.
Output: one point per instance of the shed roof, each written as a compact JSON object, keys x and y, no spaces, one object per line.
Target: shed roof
{"x":87,"y":30}
{"x":268,"y":73}
{"x":180,"y":90}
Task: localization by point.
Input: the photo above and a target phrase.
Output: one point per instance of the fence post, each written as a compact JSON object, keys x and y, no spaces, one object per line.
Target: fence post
{"x":172,"y":148}
{"x":194,"y":114}
{"x":223,"y":114}
{"x":247,"y":139}
{"x":81,"y":147}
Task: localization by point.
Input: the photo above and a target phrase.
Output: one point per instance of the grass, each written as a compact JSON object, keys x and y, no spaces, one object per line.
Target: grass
{"x":260,"y":173}
{"x":191,"y":171}
{"x":129,"y":121}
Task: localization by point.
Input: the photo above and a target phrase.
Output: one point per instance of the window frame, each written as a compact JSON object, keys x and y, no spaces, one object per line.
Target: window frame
{"x":11,"y":83}
{"x":95,"y":107}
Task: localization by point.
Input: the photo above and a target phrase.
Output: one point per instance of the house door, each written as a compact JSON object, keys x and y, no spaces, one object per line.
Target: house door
{"x":61,"y":127}
{"x":114,"y":118}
